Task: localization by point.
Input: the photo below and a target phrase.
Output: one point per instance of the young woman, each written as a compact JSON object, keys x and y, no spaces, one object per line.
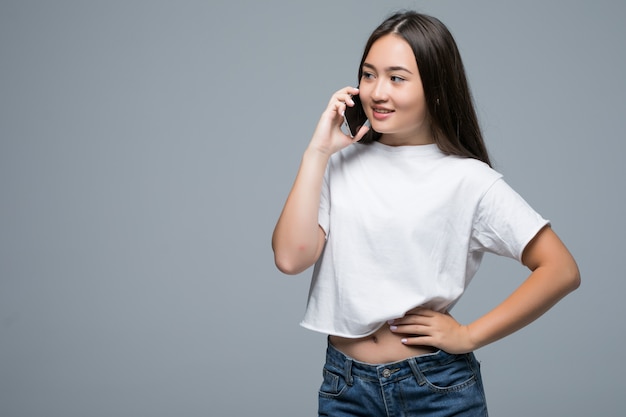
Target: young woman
{"x":396,"y":221}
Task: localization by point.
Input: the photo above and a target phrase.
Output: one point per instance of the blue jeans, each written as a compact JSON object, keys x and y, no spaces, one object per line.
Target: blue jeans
{"x":436,"y":385}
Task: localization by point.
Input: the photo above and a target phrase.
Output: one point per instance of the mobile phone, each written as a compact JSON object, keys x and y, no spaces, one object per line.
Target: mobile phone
{"x":354,"y":117}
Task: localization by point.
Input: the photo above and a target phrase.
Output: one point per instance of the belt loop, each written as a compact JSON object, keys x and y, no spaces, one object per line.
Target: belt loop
{"x":348,"y":371}
{"x":419,"y":376}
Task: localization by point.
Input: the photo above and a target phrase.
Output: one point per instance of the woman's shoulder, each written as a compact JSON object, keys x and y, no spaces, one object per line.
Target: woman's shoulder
{"x":470,"y":178}
{"x":472,"y":169}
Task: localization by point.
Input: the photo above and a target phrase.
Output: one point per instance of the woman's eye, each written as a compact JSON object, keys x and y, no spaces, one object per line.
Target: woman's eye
{"x":367,"y":75}
{"x":397,"y":79}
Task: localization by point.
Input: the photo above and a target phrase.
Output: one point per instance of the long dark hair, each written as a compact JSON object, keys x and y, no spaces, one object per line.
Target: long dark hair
{"x":454,"y":122}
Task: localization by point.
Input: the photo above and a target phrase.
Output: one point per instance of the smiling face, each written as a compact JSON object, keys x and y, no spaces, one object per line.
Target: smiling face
{"x":392,"y":94}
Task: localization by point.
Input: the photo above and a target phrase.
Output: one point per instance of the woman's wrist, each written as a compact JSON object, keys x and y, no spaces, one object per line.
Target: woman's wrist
{"x":314,"y":154}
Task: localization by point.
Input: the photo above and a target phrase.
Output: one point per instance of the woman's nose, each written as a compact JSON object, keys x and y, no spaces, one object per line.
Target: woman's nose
{"x":379,"y":92}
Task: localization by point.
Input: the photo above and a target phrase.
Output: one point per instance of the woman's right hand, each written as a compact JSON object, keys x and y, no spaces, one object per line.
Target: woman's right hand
{"x":328,"y":137}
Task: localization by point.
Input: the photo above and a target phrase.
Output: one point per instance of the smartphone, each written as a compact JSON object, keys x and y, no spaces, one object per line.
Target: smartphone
{"x":354,"y":117}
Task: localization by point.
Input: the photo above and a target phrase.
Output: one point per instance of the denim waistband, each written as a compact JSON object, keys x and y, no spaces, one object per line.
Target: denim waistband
{"x":386,"y":372}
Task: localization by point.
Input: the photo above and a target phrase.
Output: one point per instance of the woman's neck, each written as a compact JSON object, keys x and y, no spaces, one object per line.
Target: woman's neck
{"x":400,"y":140}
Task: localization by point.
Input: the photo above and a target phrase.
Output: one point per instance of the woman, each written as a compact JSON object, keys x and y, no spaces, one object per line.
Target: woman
{"x":396,"y":221}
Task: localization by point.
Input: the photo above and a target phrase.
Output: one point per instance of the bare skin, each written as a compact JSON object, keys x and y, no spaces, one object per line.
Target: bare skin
{"x":392,"y":96}
{"x":384,"y":346}
{"x":553,"y":275}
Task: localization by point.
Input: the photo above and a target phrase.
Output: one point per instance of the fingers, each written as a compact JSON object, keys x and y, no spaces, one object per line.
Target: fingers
{"x":329,"y":134}
{"x":414,"y":334}
{"x":412,"y":323}
{"x":343,"y":98}
{"x":411,"y":329}
{"x":418,"y":341}
{"x":417,"y":322}
{"x":347,"y":92}
{"x":362,"y":131}
{"x":430,"y":328}
{"x":336,"y":110}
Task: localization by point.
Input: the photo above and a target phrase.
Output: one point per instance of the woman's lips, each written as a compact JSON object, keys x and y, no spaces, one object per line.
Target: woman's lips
{"x":381,"y":114}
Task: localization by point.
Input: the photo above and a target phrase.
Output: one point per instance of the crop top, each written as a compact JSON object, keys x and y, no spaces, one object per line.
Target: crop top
{"x":407,"y":226}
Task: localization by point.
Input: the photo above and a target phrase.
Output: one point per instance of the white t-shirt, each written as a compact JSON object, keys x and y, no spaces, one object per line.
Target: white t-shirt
{"x":407,"y":226}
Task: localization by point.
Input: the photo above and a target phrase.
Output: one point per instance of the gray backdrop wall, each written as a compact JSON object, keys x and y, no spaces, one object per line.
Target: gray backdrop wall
{"x":147,"y":147}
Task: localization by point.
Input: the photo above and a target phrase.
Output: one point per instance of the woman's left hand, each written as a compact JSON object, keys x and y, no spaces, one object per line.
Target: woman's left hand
{"x":426,"y":327}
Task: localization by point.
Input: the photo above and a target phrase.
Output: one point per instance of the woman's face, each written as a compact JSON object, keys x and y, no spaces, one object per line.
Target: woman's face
{"x":392,"y":94}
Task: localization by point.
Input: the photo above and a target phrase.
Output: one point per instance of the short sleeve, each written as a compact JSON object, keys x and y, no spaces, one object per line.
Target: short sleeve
{"x":504,"y":222}
{"x":323,"y":216}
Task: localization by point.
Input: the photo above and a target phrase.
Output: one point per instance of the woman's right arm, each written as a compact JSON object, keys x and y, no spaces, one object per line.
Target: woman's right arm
{"x":298,"y":239}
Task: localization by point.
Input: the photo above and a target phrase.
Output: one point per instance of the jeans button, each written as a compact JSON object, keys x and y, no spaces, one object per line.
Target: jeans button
{"x":386,"y":373}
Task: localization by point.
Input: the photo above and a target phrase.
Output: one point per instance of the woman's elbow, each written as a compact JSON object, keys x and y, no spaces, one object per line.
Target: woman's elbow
{"x":287,"y":266}
{"x":293,"y":263}
{"x":573,"y":274}
{"x":568,"y":275}
{"x":293,"y":258}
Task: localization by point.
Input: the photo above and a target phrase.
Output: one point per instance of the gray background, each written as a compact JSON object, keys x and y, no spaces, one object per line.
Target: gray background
{"x":147,"y":147}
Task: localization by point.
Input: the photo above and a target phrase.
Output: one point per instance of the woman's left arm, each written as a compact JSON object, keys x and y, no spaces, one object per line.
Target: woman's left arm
{"x":554,"y":275}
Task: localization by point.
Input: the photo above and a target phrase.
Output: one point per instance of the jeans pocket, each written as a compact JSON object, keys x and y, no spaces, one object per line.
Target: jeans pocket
{"x":454,"y":375}
{"x":333,"y":385}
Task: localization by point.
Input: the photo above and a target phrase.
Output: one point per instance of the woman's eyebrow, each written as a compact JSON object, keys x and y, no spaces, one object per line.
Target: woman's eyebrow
{"x":388,"y":69}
